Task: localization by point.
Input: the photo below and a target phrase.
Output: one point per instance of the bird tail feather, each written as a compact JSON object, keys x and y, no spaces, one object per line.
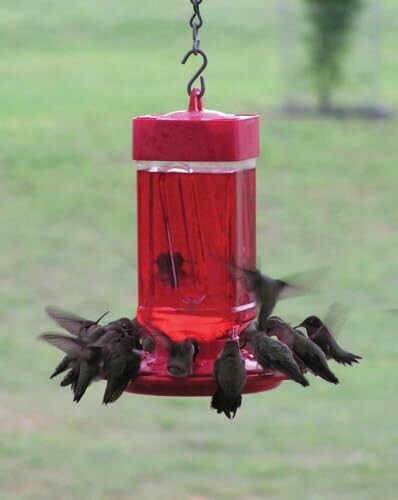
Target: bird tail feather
{"x":224,"y":404}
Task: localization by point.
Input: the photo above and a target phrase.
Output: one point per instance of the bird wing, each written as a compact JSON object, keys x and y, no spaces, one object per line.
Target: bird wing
{"x":305,"y":282}
{"x":335,"y":317}
{"x":71,"y":322}
{"x":71,"y":346}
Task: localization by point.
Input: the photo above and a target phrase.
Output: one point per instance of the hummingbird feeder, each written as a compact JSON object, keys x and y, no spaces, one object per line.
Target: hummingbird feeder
{"x":196,"y":215}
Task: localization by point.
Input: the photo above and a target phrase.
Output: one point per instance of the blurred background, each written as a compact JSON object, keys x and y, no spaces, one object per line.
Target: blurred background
{"x":72,"y":76}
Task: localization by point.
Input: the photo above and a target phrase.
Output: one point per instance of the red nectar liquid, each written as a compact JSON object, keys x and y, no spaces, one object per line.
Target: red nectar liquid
{"x":194,"y":221}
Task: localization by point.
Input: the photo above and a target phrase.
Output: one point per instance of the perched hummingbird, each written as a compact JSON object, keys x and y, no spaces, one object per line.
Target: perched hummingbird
{"x":181,"y":355}
{"x":170,"y":268}
{"x":148,"y":342}
{"x":268,"y":290}
{"x":127,"y":327}
{"x":307,"y":353}
{"x":319,"y":333}
{"x":230,"y":376}
{"x":87,"y":357}
{"x":121,"y":366}
{"x":272,"y":354}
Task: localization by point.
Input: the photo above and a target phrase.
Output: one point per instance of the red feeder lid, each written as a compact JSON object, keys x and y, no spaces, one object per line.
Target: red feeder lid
{"x":195,"y":135}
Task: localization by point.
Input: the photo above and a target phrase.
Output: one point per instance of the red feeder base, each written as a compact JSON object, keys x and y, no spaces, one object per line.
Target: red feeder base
{"x":158,"y":385}
{"x":155,"y":381}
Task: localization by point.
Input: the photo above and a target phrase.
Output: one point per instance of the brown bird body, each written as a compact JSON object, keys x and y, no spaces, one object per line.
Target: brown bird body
{"x":305,"y":350}
{"x":230,"y":376}
{"x":265,"y":289}
{"x":268,"y":291}
{"x":181,"y":355}
{"x":121,"y":366}
{"x":319,"y":333}
{"x":272,"y":355}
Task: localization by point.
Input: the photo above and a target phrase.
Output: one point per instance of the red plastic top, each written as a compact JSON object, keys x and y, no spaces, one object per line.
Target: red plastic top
{"x":195,"y":135}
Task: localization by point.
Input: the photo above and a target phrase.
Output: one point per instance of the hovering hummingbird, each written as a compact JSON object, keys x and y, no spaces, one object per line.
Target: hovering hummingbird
{"x":87,"y":357}
{"x":75,"y":324}
{"x":319,"y":333}
{"x":307,"y":353}
{"x":230,"y":375}
{"x":121,"y":366}
{"x":272,"y":354}
{"x":170,"y":268}
{"x":268,"y":290}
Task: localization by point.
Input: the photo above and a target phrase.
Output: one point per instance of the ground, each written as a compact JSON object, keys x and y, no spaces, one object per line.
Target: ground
{"x":72,"y":77}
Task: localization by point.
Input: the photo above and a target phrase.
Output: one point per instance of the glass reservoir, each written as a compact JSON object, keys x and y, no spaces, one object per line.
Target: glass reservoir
{"x":196,"y":220}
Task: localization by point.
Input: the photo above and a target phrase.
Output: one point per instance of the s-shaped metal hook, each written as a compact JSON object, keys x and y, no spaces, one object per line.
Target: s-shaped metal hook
{"x":198,"y":74}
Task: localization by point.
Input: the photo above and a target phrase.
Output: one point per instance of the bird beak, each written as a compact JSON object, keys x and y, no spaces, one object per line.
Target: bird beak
{"x":298,"y":326}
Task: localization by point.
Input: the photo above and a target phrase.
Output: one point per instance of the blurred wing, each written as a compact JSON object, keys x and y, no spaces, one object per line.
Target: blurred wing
{"x":391,"y":311}
{"x":69,"y":345}
{"x":335,"y":317}
{"x":69,"y":321}
{"x":305,"y":282}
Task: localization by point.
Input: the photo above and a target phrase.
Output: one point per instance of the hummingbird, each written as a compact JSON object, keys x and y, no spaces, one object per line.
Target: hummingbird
{"x":129,"y":328}
{"x":268,"y":291}
{"x":170,"y":268}
{"x":306,"y":352}
{"x":230,"y":375}
{"x":121,"y":366}
{"x":76,"y":325}
{"x":318,"y":332}
{"x":181,"y":355}
{"x":88,"y":358}
{"x":148,"y":342}
{"x":73,"y":323}
{"x":272,"y":354}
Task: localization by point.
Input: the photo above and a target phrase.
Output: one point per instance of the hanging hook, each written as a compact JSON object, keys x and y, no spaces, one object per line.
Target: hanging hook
{"x":198,"y":74}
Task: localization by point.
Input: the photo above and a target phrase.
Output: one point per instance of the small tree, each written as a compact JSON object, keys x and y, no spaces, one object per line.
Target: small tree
{"x":331,"y":22}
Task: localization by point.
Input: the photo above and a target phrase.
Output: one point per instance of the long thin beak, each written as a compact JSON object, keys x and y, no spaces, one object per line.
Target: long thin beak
{"x":101,"y":317}
{"x":298,"y":326}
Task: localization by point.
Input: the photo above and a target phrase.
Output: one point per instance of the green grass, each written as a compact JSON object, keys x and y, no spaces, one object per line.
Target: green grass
{"x":72,"y":75}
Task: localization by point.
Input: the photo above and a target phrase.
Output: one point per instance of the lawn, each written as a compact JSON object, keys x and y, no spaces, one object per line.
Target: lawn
{"x":72,"y":76}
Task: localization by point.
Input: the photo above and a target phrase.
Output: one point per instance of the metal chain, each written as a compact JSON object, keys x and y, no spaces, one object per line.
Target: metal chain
{"x":196,"y":22}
